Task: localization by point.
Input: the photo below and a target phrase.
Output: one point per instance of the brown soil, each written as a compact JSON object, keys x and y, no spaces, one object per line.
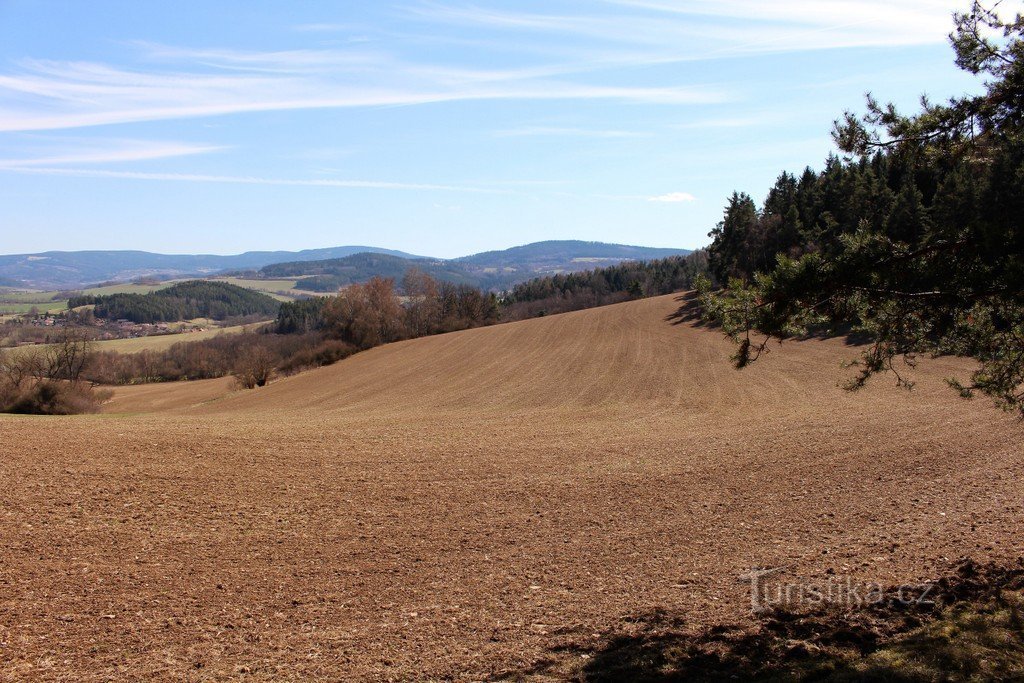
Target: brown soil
{"x":456,"y":507}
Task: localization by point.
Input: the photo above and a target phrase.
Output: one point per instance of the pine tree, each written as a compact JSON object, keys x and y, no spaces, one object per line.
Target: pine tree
{"x":915,"y":240}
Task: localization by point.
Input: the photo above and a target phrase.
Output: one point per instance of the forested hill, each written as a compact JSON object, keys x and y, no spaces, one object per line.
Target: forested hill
{"x":600,"y":286}
{"x":332,"y":274}
{"x":183,"y":301}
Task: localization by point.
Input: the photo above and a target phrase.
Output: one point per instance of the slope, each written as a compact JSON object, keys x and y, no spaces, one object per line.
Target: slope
{"x":623,"y":357}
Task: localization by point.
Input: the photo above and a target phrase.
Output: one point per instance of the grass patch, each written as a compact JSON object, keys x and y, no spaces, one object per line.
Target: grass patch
{"x":981,"y":641}
{"x":18,"y":302}
{"x":973,"y":632}
{"x":127,"y":288}
{"x":19,"y":296}
{"x":20,"y":308}
{"x":280,"y":289}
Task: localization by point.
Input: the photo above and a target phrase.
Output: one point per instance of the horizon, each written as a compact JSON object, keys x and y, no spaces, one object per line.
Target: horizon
{"x":439,"y":128}
{"x":333,"y":246}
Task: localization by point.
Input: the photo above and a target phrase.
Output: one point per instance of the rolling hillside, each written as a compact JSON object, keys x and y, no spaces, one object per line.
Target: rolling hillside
{"x":506,"y":502}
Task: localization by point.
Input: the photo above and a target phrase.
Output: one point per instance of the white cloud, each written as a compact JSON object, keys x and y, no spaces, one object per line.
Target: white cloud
{"x":673,"y":198}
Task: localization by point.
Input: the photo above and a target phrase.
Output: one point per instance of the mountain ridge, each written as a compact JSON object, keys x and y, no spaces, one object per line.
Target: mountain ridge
{"x":74,"y":269}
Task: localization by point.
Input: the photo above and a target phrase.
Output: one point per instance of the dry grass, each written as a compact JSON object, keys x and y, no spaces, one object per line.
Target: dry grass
{"x":162,"y":342}
{"x":129,"y":288}
{"x":21,"y":308}
{"x":455,"y":507}
{"x":282,"y":290}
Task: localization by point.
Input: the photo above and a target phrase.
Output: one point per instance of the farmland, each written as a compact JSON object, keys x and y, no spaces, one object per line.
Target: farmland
{"x":486,"y":503}
{"x":280,"y":289}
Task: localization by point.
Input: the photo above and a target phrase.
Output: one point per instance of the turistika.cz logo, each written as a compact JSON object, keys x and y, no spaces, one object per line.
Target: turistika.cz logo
{"x":768,"y":592}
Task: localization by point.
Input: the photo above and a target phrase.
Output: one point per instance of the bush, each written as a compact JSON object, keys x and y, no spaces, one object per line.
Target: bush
{"x":254,"y":367}
{"x":327,"y":352}
{"x":48,"y":397}
{"x":45,"y":381}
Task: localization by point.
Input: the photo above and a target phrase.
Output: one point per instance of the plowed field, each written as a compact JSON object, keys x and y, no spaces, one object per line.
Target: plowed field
{"x":462,"y":506}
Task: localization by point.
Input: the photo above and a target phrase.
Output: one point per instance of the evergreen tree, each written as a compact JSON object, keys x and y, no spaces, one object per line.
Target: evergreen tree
{"x":915,"y":241}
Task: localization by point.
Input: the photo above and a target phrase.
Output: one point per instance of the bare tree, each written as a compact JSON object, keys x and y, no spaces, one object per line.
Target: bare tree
{"x":66,"y":357}
{"x":255,"y":367}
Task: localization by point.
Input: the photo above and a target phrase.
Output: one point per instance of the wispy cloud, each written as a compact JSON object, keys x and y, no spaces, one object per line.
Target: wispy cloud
{"x":246,"y":180}
{"x":111,"y":151}
{"x":909,"y":21}
{"x":732,"y":122}
{"x":663,"y":31}
{"x":531,"y":131}
{"x":46,"y":94}
{"x":673,"y":198}
{"x":171,"y":82}
{"x":304,"y":61}
{"x":323,"y":28}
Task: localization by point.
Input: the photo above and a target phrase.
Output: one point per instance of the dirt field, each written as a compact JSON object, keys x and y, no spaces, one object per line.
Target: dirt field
{"x":482,"y":504}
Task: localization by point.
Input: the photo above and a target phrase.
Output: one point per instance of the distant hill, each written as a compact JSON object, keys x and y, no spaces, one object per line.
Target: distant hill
{"x":508,"y":267}
{"x":568,"y":255}
{"x":73,"y":269}
{"x":488,"y":270}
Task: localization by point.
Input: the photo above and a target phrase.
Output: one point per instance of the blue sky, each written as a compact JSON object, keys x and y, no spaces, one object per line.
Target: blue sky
{"x":433,"y":126}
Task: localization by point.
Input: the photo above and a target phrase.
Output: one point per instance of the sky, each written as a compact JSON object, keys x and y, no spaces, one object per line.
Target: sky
{"x":438,"y":127}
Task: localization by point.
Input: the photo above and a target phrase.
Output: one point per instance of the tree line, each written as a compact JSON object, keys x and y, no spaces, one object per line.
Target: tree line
{"x":252,"y":357}
{"x":377,"y":312}
{"x":630,"y":280}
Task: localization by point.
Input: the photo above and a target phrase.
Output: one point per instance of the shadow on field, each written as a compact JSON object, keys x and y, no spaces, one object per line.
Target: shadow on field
{"x":974,"y":631}
{"x":689,"y":313}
